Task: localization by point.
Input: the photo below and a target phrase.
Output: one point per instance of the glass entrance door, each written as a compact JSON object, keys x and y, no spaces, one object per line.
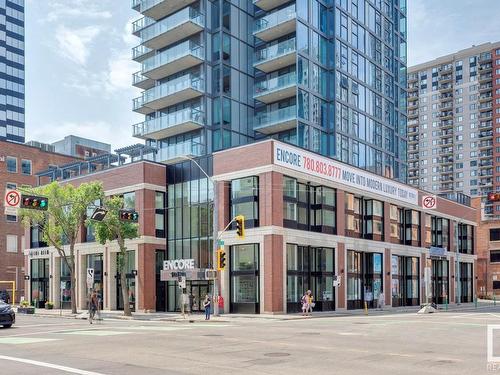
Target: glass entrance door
{"x":466,"y":292}
{"x":364,"y":279}
{"x":440,"y":287}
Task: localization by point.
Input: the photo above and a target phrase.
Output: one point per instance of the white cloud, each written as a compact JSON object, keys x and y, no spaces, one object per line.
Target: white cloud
{"x":89,"y":9}
{"x":74,"y":44}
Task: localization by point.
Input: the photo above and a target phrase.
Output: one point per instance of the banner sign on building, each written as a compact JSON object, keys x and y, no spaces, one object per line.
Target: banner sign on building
{"x":320,"y":166}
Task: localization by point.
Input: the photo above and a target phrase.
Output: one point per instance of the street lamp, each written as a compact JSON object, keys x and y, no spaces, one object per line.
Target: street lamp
{"x":215,"y":231}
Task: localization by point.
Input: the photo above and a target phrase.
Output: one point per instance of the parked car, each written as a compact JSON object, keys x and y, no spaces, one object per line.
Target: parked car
{"x":4,"y":296}
{"x":7,"y":315}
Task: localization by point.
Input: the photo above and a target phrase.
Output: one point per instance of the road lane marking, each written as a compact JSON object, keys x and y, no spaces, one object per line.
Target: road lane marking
{"x":49,"y":365}
{"x":96,"y":332}
{"x":22,"y":340}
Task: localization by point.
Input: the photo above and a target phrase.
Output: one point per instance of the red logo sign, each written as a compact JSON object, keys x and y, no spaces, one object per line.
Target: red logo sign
{"x":12,"y":198}
{"x":429,"y":202}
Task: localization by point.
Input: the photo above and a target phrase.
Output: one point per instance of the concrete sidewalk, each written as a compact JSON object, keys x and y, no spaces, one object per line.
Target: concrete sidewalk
{"x":200,"y":317}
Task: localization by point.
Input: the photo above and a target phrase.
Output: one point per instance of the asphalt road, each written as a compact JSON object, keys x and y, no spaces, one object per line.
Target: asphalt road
{"x":442,"y":343}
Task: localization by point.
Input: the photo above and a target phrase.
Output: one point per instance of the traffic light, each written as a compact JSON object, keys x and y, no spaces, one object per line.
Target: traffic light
{"x":34,"y":202}
{"x":240,"y":226}
{"x":129,"y":215}
{"x":221,"y":260}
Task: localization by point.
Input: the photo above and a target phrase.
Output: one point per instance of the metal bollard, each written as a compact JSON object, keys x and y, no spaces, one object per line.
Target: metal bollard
{"x":475,"y":302}
{"x":366,"y":308}
{"x":446,"y":304}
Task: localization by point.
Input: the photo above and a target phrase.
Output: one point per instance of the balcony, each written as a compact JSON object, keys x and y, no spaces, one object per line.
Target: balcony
{"x":485,"y":87}
{"x":445,"y":69}
{"x":171,"y":124}
{"x":485,"y":154}
{"x":485,"y":77}
{"x":412,"y":130}
{"x":276,"y":24}
{"x":485,"y":97}
{"x":486,"y":164}
{"x":413,"y":113}
{"x":169,"y":93}
{"x":173,"y":60}
{"x":412,"y":97}
{"x":412,"y":87}
{"x":446,"y":124}
{"x":486,"y":134}
{"x":446,"y":87}
{"x":485,"y":116}
{"x":413,"y":139}
{"x":446,"y":115}
{"x":277,"y":88}
{"x":276,"y":121}
{"x":446,"y":187}
{"x":140,"y":24}
{"x":484,"y":58}
{"x":446,"y":151}
{"x":172,"y":29}
{"x":412,"y":77}
{"x":138,"y":80}
{"x":446,"y":105}
{"x":486,"y":125}
{"x":276,"y":56}
{"x":158,"y":9}
{"x":485,"y":68}
{"x":485,"y":144}
{"x":413,"y":104}
{"x":445,"y":78}
{"x":485,"y":107}
{"x":140,"y":53}
{"x":178,"y":152}
{"x":269,"y":4}
{"x":446,"y":133}
{"x":444,"y":97}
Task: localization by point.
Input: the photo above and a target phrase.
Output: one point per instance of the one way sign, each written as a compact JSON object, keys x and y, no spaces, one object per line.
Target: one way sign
{"x":99,"y":214}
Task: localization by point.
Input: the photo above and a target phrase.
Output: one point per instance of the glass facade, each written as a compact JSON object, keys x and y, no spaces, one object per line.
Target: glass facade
{"x":328,"y":76}
{"x":12,"y":66}
{"x":405,"y":289}
{"x":244,"y":278}
{"x":39,"y":279}
{"x":364,"y":279}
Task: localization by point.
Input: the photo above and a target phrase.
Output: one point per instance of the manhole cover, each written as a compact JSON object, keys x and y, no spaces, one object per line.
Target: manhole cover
{"x":212,"y":335}
{"x":277,"y":354}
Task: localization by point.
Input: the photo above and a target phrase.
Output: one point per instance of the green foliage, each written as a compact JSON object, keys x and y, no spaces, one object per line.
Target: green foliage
{"x":112,"y":228}
{"x":66,"y":211}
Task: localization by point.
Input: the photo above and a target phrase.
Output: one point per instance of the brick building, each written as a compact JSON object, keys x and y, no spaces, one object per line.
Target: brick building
{"x":488,"y":252}
{"x":142,"y":185}
{"x":18,"y":165}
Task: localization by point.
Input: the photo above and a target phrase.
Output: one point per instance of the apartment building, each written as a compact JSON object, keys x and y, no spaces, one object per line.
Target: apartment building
{"x":454,"y":123}
{"x":329,"y":77}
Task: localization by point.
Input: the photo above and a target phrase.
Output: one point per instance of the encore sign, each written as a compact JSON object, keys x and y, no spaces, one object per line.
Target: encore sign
{"x":178,"y":264}
{"x":331,"y":170}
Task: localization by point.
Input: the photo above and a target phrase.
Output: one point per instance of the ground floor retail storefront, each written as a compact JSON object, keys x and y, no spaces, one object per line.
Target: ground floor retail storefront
{"x":50,"y":280}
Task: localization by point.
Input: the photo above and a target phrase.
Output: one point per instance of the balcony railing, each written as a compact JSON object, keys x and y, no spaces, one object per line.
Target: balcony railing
{"x":140,"y":52}
{"x":178,"y":151}
{"x":275,"y":84}
{"x":270,"y":119}
{"x":274,"y":51}
{"x":274,"y":19}
{"x":172,"y":54}
{"x":169,"y":121}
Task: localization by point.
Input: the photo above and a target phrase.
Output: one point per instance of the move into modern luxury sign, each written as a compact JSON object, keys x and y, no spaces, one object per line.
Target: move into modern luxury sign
{"x":316,"y":165}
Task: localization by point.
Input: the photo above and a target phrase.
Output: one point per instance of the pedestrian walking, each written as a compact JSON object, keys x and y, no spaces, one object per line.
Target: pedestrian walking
{"x":207,"y":304}
{"x":304,"y":301}
{"x":220,"y":301}
{"x":381,"y":301}
{"x":184,"y":304}
{"x":310,"y":303}
{"x":93,"y":304}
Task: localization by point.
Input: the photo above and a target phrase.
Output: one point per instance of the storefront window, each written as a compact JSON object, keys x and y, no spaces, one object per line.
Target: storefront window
{"x":412,"y":227}
{"x":397,"y":224}
{"x":353,"y":214}
{"x":160,"y":214}
{"x":65,"y":285}
{"x":405,"y":279}
{"x":244,"y":271}
{"x":130,"y":279}
{"x":466,"y":291}
{"x":39,"y":282}
{"x":466,"y":238}
{"x":374,"y":216}
{"x":364,"y":278}
{"x":440,"y":232}
{"x":95,"y":261}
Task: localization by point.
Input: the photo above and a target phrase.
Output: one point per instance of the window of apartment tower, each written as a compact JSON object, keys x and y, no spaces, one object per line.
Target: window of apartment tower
{"x":412,"y":227}
{"x":440,"y":232}
{"x":374,"y":220}
{"x":397,"y":224}
{"x":245,"y":200}
{"x":353,"y":215}
{"x":160,"y":214}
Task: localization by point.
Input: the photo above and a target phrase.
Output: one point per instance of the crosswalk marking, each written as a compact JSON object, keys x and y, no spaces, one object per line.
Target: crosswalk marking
{"x":23,"y":340}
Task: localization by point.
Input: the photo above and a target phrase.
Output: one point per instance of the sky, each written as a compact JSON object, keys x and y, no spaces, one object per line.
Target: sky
{"x":79,"y":67}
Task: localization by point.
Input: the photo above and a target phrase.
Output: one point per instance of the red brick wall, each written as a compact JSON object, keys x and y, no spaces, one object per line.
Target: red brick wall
{"x":271,"y":199}
{"x":341,"y":291}
{"x":40,"y":160}
{"x":273,"y":273}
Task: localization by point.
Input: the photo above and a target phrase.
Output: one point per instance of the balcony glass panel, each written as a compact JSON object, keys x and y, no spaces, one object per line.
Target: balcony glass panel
{"x":274,"y":19}
{"x":179,"y":149}
{"x":265,"y":119}
{"x":172,"y":54}
{"x":275,"y":51}
{"x":168,"y":120}
{"x":276,"y":83}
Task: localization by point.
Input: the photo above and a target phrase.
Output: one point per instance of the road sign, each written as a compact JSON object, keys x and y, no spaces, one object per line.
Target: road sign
{"x":12,"y":201}
{"x":337,"y":280}
{"x":181,"y":282}
{"x":90,"y":277}
{"x":429,"y":202}
{"x":99,"y":214}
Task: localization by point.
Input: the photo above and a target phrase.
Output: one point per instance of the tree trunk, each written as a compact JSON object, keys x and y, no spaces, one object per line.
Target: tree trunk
{"x":72,"y":271}
{"x":123,"y":277}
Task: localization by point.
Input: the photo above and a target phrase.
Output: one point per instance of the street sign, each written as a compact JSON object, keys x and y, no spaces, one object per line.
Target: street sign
{"x":429,"y":202}
{"x":182,"y":282}
{"x":194,"y":274}
{"x":90,"y":277}
{"x":12,"y":201}
{"x":99,"y":214}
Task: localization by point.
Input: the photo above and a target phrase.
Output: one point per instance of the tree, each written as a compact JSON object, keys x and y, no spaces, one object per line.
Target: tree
{"x":111,"y":229}
{"x":63,"y":220}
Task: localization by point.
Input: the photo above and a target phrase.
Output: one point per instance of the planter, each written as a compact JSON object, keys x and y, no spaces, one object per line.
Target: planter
{"x":26,"y":310}
{"x":49,"y":307}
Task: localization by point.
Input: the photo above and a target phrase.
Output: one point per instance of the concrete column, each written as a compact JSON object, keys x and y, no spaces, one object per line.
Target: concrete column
{"x":387,"y":275}
{"x":105,"y":279}
{"x":111,"y":286}
{"x":81,"y":281}
{"x":423,"y":263}
{"x":273,"y":277}
{"x":342,"y":271}
{"x":422,"y":230}
{"x":56,"y":276}
{"x":451,"y":236}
